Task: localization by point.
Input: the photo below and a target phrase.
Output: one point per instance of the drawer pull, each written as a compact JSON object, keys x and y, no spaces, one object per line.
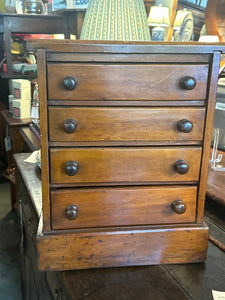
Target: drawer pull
{"x":71,"y":212}
{"x":72,"y":168}
{"x":70,"y":125}
{"x":188,"y":83}
{"x":178,"y":206}
{"x":185,"y":126}
{"x":181,"y":167}
{"x":69,"y":83}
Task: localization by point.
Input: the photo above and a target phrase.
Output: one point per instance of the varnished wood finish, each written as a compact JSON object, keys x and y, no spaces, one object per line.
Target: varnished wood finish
{"x":126,"y":165}
{"x":122,"y":206}
{"x":185,"y":281}
{"x":145,"y":57}
{"x":31,"y":140}
{"x":124,"y":47}
{"x":212,"y":89}
{"x":126,"y":104}
{"x":8,"y":118}
{"x":149,"y":103}
{"x":108,"y":248}
{"x":125,"y":124}
{"x":126,"y":81}
{"x":44,"y":139}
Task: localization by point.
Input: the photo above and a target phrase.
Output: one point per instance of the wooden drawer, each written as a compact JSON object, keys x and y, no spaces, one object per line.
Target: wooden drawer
{"x":83,"y":124}
{"x":97,"y":207}
{"x":125,"y":81}
{"x":123,"y":165}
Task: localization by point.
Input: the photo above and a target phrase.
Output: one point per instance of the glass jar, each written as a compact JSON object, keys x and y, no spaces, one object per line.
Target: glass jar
{"x":34,"y":7}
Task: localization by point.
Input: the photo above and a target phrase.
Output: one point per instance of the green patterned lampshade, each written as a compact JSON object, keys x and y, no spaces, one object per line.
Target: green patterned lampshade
{"x":118,"y":20}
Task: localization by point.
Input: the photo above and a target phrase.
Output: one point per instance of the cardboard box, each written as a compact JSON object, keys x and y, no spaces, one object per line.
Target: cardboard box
{"x":21,"y":109}
{"x":21,"y":89}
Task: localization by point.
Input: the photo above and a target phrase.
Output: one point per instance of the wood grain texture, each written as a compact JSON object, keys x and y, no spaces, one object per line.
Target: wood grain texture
{"x":126,"y":81}
{"x":44,"y":137}
{"x":212,"y":91}
{"x":122,"y":248}
{"x":123,"y":47}
{"x":134,"y":57}
{"x":125,"y":124}
{"x":124,"y":164}
{"x":185,"y":281}
{"x":118,"y":90}
{"x":124,"y":283}
{"x":30,"y":138}
{"x":133,"y":103}
{"x":56,"y":49}
{"x":199,"y":280}
{"x":122,"y":206}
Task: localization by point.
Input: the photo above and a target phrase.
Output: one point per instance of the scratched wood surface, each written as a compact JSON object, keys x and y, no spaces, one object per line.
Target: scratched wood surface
{"x":175,"y":282}
{"x":122,"y":206}
{"x":125,"y":124}
{"x":127,"y":73}
{"x":124,"y":165}
{"x":126,"y":81}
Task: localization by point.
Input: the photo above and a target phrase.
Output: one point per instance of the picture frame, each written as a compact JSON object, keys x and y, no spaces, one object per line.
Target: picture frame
{"x":197,"y":4}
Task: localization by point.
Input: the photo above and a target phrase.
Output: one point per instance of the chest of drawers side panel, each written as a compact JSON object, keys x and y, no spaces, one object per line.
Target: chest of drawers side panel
{"x":211,"y":93}
{"x":41,"y":54}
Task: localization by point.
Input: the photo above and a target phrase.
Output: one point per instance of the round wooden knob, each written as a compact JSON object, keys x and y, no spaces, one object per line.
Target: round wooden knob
{"x":181,"y":167}
{"x":70,"y":125}
{"x":72,"y":168}
{"x":69,"y":83}
{"x":178,"y":206}
{"x":185,"y":126}
{"x":188,"y":83}
{"x":71,"y":212}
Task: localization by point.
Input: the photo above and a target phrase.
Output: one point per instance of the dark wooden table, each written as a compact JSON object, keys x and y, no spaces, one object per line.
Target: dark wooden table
{"x":188,"y":281}
{"x":31,"y":140}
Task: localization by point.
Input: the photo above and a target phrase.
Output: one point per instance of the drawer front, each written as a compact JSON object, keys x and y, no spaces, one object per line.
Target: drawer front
{"x":124,"y":165}
{"x":97,"y":207}
{"x":83,"y":124}
{"x":125,"y":81}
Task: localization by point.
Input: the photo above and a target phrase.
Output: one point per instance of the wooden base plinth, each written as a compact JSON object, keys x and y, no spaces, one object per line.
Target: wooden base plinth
{"x":117,"y":248}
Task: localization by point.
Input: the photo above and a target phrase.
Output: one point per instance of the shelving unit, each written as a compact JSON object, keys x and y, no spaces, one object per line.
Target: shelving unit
{"x":66,"y":23}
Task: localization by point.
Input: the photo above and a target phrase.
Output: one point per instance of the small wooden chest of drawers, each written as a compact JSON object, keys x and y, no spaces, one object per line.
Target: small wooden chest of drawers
{"x":125,"y":132}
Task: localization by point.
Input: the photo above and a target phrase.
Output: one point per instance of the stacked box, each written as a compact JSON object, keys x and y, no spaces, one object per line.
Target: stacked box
{"x":21,"y":89}
{"x":21,"y":98}
{"x":21,"y":109}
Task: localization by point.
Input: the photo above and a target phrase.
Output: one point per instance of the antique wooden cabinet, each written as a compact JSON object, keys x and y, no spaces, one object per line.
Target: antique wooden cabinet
{"x":125,"y":134}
